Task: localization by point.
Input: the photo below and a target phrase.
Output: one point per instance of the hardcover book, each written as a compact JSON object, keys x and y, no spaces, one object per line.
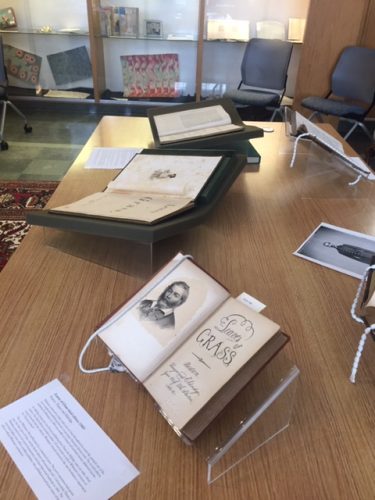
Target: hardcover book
{"x":202,"y":125}
{"x":191,"y":345}
{"x":150,"y":188}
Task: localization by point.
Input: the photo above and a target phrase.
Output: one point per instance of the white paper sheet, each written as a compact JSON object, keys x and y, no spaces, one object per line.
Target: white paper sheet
{"x":111,"y":158}
{"x":59,"y":449}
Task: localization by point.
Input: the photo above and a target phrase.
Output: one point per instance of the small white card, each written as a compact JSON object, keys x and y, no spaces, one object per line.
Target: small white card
{"x":250,"y":301}
{"x":59,"y":449}
{"x":111,"y":158}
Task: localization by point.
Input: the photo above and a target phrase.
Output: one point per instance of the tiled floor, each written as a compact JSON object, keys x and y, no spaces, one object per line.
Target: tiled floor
{"x":57,"y":138}
{"x":47,"y":152}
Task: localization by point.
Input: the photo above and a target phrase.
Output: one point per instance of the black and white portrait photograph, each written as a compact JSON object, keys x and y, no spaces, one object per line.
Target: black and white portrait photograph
{"x":340,"y":249}
{"x":153,"y":28}
{"x":172,"y":307}
{"x":161,"y":311}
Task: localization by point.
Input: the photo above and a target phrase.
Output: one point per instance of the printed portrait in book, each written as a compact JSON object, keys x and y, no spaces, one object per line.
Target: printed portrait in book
{"x":161,"y":310}
{"x":170,"y":307}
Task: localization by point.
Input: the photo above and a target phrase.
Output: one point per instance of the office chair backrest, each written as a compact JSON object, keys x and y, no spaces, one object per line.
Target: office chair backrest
{"x":3,"y":75}
{"x":354,"y":74}
{"x":265,"y":63}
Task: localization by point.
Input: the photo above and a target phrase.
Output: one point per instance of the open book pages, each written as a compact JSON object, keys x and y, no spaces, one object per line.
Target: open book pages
{"x":166,"y":174}
{"x":193,"y":123}
{"x":150,"y":188}
{"x":191,"y":345}
{"x":150,"y":326}
{"x":210,"y":357}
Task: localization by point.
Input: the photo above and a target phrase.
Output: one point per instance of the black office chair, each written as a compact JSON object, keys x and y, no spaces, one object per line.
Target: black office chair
{"x":352,"y":93}
{"x":264,"y":72}
{"x":4,"y":99}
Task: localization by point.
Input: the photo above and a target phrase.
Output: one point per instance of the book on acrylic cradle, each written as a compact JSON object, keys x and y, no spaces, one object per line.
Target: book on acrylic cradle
{"x":211,"y":125}
{"x":152,"y":187}
{"x":190,"y":344}
{"x":205,"y":124}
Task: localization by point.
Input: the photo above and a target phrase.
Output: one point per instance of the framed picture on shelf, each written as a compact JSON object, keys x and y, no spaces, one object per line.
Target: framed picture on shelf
{"x":153,"y":28}
{"x":7,"y":18}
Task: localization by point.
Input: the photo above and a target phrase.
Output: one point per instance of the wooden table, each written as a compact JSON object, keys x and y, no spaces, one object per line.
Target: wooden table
{"x":50,"y":301}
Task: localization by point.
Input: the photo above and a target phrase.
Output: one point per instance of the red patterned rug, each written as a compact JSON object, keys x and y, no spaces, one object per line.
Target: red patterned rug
{"x":15,"y":199}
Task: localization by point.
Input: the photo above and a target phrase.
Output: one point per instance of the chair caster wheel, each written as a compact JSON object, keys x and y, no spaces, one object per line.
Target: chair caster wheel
{"x":27,"y":129}
{"x":3,"y":146}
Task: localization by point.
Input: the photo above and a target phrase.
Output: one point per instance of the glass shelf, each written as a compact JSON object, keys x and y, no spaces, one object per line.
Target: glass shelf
{"x":149,"y":38}
{"x":40,"y":31}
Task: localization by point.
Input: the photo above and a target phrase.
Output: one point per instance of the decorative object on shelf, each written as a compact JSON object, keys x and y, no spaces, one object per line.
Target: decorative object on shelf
{"x":15,"y":199}
{"x":129,"y":24}
{"x":46,"y":29}
{"x":119,"y":21}
{"x":153,"y":28}
{"x":106,"y":22}
{"x":150,"y":75}
{"x":274,"y":30}
{"x":22,"y":65}
{"x":7,"y":18}
{"x":296,"y":29}
{"x":70,"y":66}
{"x":228,"y":29}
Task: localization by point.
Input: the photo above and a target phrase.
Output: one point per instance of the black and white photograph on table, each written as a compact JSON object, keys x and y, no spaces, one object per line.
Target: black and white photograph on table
{"x":340,"y":249}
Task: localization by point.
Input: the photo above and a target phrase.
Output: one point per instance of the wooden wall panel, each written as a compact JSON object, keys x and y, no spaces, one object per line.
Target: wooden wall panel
{"x":368,"y":34}
{"x":331,"y":26}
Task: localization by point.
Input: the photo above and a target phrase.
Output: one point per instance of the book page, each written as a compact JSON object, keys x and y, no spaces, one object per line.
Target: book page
{"x":195,"y":120}
{"x":191,"y":119}
{"x":142,"y":208}
{"x":59,"y":449}
{"x":159,"y":318}
{"x":177,"y":175}
{"x":110,"y":158}
{"x":219,"y":129}
{"x":187,"y":380}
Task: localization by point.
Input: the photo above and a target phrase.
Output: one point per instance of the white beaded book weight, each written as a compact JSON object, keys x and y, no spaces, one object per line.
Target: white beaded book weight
{"x":366,"y":315}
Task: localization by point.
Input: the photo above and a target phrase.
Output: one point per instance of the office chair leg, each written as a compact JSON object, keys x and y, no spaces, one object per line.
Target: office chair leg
{"x":3,"y":144}
{"x":27,"y":128}
{"x":316,"y":114}
{"x":363,"y":127}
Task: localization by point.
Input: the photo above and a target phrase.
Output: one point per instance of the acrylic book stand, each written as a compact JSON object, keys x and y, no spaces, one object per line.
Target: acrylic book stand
{"x":260,"y":412}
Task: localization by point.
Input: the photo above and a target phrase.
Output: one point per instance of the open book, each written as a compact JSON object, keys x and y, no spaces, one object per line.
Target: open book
{"x":202,"y":125}
{"x":191,"y":345}
{"x":150,"y":188}
{"x":198,"y":122}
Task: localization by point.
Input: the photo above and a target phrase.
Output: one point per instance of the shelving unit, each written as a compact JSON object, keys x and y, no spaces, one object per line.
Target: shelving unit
{"x":206,"y":68}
